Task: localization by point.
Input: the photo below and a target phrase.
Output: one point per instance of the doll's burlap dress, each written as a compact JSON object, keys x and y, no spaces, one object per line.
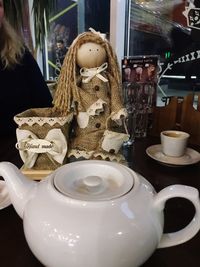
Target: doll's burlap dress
{"x":92,"y":122}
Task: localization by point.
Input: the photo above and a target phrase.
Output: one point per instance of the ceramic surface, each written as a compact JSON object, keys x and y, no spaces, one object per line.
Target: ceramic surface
{"x":191,"y":156}
{"x":174,"y":143}
{"x":4,"y":196}
{"x":120,"y":230}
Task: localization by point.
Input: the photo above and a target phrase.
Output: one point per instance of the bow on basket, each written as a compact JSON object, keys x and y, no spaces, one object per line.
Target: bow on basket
{"x":54,"y":145}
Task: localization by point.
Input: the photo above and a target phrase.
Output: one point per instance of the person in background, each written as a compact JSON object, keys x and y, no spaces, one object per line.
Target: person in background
{"x":61,"y":51}
{"x":22,"y":85}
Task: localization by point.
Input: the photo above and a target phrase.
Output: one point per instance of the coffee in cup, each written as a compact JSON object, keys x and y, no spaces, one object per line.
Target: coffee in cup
{"x":174,"y":143}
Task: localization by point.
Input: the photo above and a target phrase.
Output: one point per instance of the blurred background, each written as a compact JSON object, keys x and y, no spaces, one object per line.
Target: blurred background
{"x":168,"y":29}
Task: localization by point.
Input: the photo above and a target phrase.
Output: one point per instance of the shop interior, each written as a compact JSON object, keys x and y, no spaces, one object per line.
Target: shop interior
{"x":134,"y":27}
{"x":106,"y":174}
{"x":144,"y":28}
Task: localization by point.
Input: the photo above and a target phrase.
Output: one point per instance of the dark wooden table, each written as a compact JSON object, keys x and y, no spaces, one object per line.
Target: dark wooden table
{"x":14,"y":251}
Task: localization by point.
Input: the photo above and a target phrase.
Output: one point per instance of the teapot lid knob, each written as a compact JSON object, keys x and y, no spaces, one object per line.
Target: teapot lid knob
{"x":92,"y":181}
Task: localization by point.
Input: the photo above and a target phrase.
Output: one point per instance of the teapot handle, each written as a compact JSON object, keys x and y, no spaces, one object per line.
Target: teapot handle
{"x":190,"y":193}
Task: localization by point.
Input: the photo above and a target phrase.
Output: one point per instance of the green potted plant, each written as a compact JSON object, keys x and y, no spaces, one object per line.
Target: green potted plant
{"x":17,"y":10}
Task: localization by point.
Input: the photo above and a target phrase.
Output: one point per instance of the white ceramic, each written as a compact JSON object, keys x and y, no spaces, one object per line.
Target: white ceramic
{"x":4,"y":196}
{"x":95,"y":214}
{"x":174,"y":143}
{"x":191,"y":156}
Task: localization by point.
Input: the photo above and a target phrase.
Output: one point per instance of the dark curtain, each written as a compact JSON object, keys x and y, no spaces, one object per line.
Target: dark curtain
{"x":97,"y":15}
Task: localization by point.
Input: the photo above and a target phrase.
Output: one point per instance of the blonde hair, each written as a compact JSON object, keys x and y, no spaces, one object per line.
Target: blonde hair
{"x":67,"y":90}
{"x":11,"y":46}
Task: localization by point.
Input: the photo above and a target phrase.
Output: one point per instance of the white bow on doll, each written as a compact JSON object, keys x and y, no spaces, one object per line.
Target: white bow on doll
{"x":102,"y":35}
{"x":91,"y":73}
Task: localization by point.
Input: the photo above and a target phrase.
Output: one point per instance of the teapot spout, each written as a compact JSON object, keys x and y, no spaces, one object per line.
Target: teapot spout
{"x":19,"y":187}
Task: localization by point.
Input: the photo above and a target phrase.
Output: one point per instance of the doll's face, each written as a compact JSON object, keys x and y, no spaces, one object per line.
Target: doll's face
{"x":91,"y":55}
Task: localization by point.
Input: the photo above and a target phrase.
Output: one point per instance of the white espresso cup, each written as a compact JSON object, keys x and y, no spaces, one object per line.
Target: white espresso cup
{"x":174,"y":143}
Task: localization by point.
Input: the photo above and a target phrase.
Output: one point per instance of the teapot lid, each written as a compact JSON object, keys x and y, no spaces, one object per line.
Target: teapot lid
{"x":93,"y":180}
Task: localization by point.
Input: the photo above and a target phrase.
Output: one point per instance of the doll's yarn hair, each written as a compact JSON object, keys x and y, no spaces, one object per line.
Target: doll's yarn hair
{"x":67,"y":93}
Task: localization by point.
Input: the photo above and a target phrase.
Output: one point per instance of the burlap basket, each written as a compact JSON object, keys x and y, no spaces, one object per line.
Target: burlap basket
{"x":37,"y":124}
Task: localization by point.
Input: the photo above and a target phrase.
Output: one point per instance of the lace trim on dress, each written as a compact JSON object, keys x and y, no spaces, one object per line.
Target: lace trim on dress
{"x":117,"y":116}
{"x":111,"y":157}
{"x":91,"y":154}
{"x":80,"y":153}
{"x":95,"y":109}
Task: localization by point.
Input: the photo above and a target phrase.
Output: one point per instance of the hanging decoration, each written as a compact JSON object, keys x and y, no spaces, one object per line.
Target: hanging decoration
{"x":192,"y":15}
{"x":194,"y":55}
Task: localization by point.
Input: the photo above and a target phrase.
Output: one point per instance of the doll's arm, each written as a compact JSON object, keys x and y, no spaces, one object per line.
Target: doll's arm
{"x":118,"y":111}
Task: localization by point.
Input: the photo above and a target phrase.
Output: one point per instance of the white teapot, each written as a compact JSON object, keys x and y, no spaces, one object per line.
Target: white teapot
{"x":96,"y":214}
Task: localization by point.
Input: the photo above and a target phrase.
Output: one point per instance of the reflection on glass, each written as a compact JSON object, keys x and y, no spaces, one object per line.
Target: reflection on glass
{"x":170,"y":29}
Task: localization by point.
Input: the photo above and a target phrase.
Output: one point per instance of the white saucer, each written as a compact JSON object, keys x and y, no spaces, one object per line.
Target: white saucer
{"x":4,"y":195}
{"x":191,"y":156}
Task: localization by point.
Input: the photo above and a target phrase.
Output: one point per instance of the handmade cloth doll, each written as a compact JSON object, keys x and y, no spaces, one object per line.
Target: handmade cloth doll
{"x":90,"y":84}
